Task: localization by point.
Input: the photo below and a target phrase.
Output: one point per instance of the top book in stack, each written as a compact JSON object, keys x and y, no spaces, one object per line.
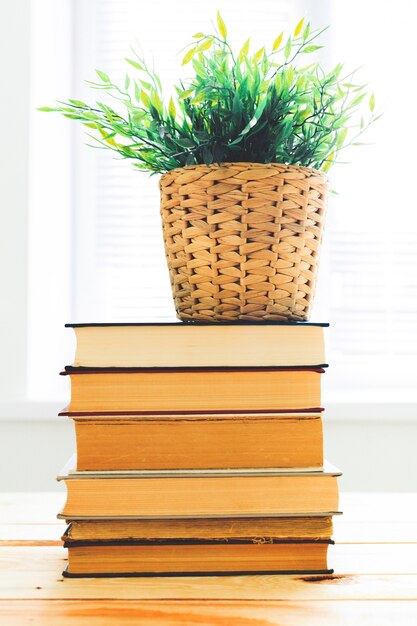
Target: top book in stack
{"x":264,"y":344}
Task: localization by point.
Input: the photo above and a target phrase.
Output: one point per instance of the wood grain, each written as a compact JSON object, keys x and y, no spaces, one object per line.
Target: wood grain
{"x":142,"y":613}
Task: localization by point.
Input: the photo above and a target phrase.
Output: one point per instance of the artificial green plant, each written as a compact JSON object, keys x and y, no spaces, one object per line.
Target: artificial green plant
{"x":270,"y":105}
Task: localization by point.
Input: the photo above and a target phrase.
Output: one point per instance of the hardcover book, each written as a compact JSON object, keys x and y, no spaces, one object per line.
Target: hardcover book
{"x":169,"y":557}
{"x":199,"y":345}
{"x":248,"y":529}
{"x":199,"y":441}
{"x":173,"y":390}
{"x":199,"y":493}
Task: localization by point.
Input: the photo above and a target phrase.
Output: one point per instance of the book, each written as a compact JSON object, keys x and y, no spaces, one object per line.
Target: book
{"x":198,"y":493}
{"x":201,"y":441}
{"x":249,"y":529}
{"x":199,"y":345}
{"x":191,"y":389}
{"x":185,"y":558}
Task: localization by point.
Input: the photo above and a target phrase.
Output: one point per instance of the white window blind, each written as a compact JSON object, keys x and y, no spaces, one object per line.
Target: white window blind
{"x":371,"y":255}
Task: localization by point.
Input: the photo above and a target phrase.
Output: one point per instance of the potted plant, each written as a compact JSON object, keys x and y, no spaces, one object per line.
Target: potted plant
{"x":243,"y":149}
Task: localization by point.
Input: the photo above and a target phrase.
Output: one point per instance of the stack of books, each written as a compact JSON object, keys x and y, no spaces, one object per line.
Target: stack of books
{"x":199,"y":450}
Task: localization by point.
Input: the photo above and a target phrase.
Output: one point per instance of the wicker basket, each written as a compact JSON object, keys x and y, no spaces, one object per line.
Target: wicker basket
{"x":242,"y":240}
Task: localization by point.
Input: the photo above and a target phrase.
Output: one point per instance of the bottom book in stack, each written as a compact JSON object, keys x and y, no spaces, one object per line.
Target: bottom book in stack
{"x":171,"y":522}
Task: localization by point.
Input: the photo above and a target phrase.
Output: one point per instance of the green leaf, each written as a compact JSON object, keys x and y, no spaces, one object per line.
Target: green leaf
{"x":127,"y":82}
{"x":186,"y":94}
{"x":134,"y":64}
{"x":339,"y":123}
{"x":328,"y":162}
{"x":79,"y":103}
{"x":138,"y":117}
{"x":237,"y":107}
{"x":277,"y":42}
{"x":357,"y":100}
{"x":306,"y":32}
{"x":341,"y":136}
{"x":158,"y":81}
{"x":46,"y":109}
{"x":171,"y":108}
{"x":299,"y":27}
{"x":72,"y":116}
{"x":137,"y":92}
{"x":256,"y":116}
{"x":103,"y":76}
{"x":185,"y":142}
{"x":207,"y":156}
{"x":156,"y":101}
{"x":187,"y":58}
{"x":372,"y":103}
{"x":245,"y":48}
{"x":199,"y":69}
{"x":145,"y":99}
{"x":287,"y":49}
{"x":205,"y":45}
{"x":198,"y":35}
{"x":259,"y":54}
{"x":108,"y":136}
{"x":309,"y":49}
{"x":221,"y":25}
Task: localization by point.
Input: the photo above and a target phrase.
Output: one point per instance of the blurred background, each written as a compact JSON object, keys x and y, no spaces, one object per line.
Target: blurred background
{"x":80,"y":230}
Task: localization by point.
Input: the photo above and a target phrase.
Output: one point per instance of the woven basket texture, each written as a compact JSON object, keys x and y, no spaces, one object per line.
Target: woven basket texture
{"x":242,"y":240}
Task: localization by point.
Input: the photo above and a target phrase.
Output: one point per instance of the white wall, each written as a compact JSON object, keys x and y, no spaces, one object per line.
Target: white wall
{"x":374,"y":456}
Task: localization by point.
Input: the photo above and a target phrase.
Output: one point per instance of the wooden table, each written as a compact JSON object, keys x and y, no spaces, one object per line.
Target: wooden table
{"x":375,"y":560}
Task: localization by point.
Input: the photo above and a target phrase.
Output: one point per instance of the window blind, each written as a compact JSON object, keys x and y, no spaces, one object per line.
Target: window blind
{"x":371,"y":239}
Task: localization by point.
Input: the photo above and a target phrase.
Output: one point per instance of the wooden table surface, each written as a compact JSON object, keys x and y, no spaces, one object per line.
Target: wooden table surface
{"x":375,"y":580}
